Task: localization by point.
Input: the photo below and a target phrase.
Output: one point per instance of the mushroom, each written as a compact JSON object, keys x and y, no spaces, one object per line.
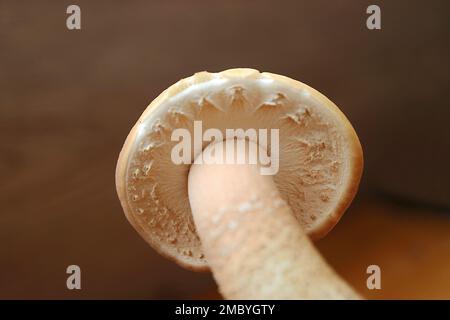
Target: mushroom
{"x":230,"y":217}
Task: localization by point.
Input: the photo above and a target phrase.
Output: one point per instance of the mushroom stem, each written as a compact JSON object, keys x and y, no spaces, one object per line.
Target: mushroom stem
{"x":254,"y":246}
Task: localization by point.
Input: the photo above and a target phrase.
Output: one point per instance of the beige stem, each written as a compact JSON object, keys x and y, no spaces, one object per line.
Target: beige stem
{"x":253,"y":243}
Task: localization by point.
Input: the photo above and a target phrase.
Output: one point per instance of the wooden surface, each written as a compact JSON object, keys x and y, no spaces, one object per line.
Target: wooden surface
{"x":69,"y":98}
{"x":411,"y":246}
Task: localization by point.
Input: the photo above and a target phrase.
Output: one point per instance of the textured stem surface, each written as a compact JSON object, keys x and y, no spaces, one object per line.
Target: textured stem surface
{"x":255,"y":247}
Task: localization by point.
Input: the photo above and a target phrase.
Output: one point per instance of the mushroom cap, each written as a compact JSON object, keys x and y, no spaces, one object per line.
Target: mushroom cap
{"x":320,"y":156}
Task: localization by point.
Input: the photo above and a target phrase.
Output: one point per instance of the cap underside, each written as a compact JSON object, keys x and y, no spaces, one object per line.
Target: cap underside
{"x":317,"y":152}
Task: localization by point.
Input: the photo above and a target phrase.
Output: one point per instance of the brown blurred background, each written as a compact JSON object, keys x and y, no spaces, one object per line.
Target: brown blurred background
{"x":69,"y":98}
